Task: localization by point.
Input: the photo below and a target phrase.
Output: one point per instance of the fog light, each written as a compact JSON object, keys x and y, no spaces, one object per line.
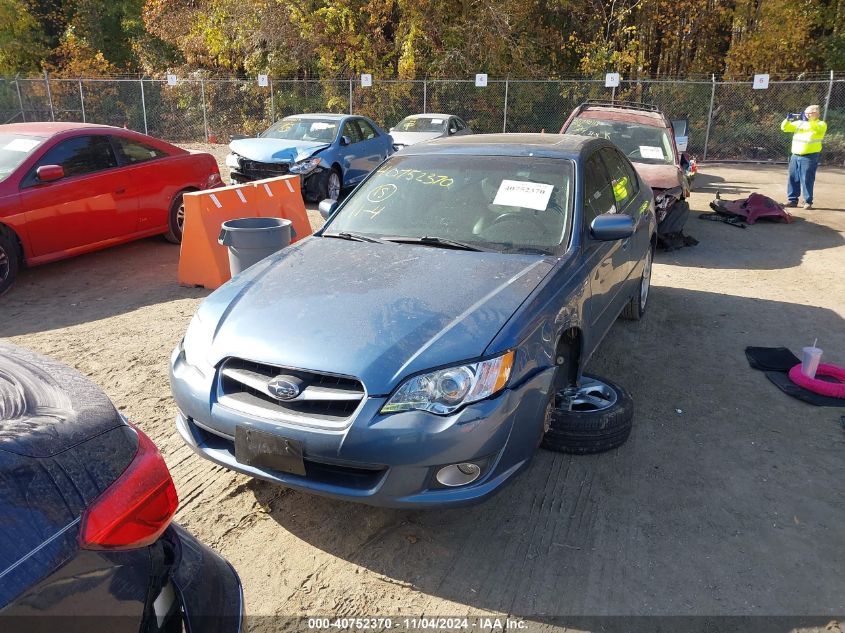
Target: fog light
{"x":458,"y":474}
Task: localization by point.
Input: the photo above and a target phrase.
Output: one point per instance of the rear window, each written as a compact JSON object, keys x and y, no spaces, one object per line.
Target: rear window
{"x":14,"y":149}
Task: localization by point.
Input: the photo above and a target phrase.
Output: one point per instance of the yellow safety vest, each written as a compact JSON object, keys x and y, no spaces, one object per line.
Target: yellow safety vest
{"x":620,"y":189}
{"x":806,"y":135}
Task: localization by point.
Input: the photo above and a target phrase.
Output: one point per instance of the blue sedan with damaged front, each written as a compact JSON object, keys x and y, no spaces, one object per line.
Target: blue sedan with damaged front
{"x":417,"y":350}
{"x":329,"y":152}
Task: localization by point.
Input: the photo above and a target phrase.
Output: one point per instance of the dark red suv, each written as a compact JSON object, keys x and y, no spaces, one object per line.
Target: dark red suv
{"x":645,"y":135}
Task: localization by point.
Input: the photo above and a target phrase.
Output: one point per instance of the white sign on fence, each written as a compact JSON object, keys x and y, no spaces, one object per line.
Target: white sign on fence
{"x":611,"y":80}
{"x":172,"y":80}
{"x":761,"y":82}
{"x":263,"y":81}
{"x":481,"y":80}
{"x":366,"y":80}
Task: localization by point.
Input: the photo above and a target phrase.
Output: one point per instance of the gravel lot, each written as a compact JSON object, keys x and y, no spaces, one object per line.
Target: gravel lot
{"x":727,"y":500}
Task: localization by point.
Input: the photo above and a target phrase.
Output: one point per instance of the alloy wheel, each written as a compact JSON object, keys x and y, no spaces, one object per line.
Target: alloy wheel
{"x":646,"y":282}
{"x":334,"y":186}
{"x":591,"y":395}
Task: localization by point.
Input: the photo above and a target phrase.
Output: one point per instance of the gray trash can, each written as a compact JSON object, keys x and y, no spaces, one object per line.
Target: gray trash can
{"x":252,"y":239}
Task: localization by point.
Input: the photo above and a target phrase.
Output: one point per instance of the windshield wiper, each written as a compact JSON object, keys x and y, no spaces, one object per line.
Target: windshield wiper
{"x":435,"y":241}
{"x":354,"y":237}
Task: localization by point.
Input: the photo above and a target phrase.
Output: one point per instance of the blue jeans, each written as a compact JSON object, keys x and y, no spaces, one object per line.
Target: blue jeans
{"x":802,"y":175}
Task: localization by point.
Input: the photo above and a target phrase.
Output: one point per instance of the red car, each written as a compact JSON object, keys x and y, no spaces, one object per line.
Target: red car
{"x":71,"y":188}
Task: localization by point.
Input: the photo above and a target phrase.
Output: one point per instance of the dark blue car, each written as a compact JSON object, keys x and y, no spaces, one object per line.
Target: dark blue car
{"x":86,"y":501}
{"x":418,"y":349}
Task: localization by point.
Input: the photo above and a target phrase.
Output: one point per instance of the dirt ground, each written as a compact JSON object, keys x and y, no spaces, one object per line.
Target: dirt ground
{"x":728,"y":500}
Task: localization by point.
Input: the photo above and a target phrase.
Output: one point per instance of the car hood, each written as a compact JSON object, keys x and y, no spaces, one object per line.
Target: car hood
{"x":378,"y":312}
{"x":660,"y":176}
{"x":410,"y":138}
{"x":275,"y":150}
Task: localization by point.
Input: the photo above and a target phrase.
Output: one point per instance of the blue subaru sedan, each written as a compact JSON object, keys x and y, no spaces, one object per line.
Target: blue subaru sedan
{"x":329,"y":152}
{"x":409,"y":353}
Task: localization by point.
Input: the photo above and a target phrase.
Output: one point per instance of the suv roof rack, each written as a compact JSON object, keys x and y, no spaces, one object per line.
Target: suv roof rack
{"x":630,"y":105}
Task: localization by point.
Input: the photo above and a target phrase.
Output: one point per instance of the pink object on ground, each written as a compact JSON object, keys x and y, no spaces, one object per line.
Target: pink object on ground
{"x":821,"y":387}
{"x":754,"y":207}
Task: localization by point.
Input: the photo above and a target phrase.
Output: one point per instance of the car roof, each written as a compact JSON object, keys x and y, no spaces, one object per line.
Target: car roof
{"x":653,"y":118}
{"x":50,"y":127}
{"x":547,"y":145}
{"x":323,"y":115}
{"x":430,"y":115}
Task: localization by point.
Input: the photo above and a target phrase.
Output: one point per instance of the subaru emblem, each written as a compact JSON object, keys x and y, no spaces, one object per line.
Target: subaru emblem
{"x":285,"y":387}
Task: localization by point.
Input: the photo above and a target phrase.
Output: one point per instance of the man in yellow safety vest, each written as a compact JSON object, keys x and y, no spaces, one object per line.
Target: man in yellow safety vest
{"x":807,"y":134}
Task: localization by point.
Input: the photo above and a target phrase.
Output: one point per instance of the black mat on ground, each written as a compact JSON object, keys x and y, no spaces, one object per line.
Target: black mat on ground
{"x":781,"y":381}
{"x":771,"y":358}
{"x":776,"y":363}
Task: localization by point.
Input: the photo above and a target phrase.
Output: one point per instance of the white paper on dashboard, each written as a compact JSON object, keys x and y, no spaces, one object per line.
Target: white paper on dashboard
{"x":519,"y":193}
{"x":649,"y":151}
{"x":21,"y":145}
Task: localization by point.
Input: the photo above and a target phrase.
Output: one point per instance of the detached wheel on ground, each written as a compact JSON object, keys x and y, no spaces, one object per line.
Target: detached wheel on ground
{"x":596,"y":417}
{"x":175,"y":220}
{"x":635,"y":309}
{"x":10,"y":260}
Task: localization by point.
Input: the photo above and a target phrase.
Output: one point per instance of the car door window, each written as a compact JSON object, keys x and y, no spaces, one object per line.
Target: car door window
{"x":131,"y":152}
{"x":351,"y":131}
{"x":622,"y":184}
{"x":78,"y":156}
{"x":460,"y":125}
{"x":367,"y":131}
{"x":598,"y":192}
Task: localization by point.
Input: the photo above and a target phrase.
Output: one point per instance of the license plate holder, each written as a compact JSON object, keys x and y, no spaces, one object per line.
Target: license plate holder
{"x":267,"y":450}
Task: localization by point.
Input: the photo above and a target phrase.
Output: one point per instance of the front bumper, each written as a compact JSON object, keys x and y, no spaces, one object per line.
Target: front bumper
{"x":383,"y":460}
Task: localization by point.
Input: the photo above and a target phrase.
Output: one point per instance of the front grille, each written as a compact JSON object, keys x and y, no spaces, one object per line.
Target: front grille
{"x":325,"y":401}
{"x":256,"y":171}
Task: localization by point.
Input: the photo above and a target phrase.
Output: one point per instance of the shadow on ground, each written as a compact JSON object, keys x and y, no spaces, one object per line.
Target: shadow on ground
{"x":725,"y":501}
{"x":94,"y":286}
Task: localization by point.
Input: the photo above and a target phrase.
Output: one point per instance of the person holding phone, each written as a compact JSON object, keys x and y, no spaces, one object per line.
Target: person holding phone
{"x":807,"y":133}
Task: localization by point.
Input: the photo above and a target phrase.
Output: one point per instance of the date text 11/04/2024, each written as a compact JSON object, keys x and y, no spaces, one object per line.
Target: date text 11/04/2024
{"x":484,"y":623}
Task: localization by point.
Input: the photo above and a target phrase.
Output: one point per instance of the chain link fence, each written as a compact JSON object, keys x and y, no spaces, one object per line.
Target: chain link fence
{"x":728,"y":120}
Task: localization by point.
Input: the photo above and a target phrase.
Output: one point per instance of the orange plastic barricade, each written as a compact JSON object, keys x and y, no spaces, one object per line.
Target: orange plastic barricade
{"x":204,"y":262}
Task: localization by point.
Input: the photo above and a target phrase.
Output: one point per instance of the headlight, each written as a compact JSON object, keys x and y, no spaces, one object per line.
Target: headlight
{"x":445,"y":390}
{"x":305,"y":166}
{"x":233,"y":161}
{"x":197,"y":342}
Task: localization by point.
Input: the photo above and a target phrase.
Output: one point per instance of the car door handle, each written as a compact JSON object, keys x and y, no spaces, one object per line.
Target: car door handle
{"x":120,"y":191}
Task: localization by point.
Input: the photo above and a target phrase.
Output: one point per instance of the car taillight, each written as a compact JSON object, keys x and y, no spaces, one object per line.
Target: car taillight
{"x":135,"y":509}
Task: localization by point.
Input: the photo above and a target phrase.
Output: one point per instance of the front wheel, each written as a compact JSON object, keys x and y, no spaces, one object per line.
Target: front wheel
{"x":332,"y":185}
{"x":9,"y":261}
{"x":635,"y":309}
{"x":175,"y":220}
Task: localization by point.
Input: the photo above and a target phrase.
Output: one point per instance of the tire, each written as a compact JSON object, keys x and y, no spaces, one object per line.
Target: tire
{"x":636,"y":307}
{"x":175,"y":220}
{"x":331,"y":186}
{"x":10,"y":260}
{"x":591,"y":427}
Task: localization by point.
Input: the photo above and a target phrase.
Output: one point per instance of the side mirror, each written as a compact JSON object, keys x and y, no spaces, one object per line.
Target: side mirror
{"x":345,"y":140}
{"x":612,"y":226}
{"x":327,"y":207}
{"x":49,"y":173}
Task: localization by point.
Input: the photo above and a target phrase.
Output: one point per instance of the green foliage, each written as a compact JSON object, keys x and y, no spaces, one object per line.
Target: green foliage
{"x":22,"y":41}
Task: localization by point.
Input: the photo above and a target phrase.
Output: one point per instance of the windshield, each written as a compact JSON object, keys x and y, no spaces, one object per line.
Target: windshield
{"x":14,"y":149}
{"x":501,"y":203}
{"x":640,"y":143}
{"x":421,"y":124}
{"x":303,"y":129}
